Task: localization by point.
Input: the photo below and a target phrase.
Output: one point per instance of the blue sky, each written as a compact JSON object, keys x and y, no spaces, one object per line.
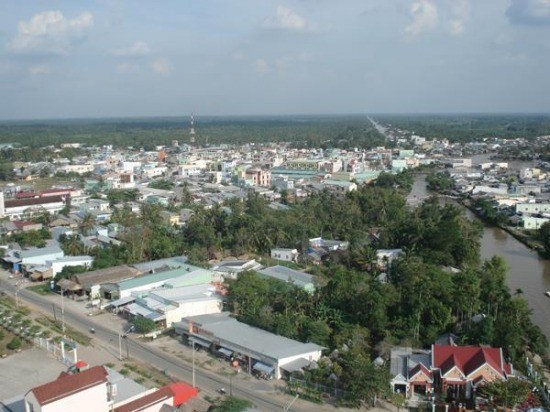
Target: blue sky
{"x":110,"y":58}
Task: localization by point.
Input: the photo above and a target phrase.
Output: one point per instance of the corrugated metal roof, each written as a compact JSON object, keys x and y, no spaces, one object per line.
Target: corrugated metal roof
{"x":288,"y":275}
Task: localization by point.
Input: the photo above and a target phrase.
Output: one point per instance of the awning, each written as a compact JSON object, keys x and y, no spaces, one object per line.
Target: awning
{"x":296,"y":365}
{"x":262,"y":367}
{"x":121,"y":302}
{"x":201,"y":342}
{"x":226,"y":352}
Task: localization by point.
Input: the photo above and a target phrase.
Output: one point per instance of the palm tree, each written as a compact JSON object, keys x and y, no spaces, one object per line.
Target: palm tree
{"x":88,"y":222}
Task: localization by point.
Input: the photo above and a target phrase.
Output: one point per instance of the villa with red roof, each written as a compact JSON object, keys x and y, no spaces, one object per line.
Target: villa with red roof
{"x":453,"y":371}
{"x":100,"y":389}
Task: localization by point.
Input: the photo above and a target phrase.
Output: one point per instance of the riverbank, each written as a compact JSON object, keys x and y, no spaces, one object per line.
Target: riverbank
{"x":519,"y":235}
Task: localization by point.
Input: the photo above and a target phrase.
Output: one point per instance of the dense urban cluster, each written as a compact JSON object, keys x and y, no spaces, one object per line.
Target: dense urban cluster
{"x":345,"y":285}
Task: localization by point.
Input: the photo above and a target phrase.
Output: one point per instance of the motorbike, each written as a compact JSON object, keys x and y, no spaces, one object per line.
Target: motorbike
{"x":222,"y":391}
{"x":92,"y":330}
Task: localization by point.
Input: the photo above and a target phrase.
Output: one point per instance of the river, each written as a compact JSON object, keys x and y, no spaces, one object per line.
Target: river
{"x":527,"y":271}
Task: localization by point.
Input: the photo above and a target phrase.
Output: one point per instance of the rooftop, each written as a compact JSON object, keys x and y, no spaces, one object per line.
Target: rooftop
{"x":228,"y":329}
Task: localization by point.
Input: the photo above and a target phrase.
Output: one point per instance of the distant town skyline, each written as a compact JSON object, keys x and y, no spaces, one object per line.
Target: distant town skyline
{"x":66,"y":59}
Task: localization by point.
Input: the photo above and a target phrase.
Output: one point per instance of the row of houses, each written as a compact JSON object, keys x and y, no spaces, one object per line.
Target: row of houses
{"x":102,"y":389}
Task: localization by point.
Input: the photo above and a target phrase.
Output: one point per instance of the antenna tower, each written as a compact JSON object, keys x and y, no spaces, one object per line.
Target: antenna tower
{"x":192,"y":130}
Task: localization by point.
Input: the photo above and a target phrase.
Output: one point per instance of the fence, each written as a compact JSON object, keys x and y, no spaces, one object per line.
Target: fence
{"x":61,"y":351}
{"x":538,"y":379}
{"x":331,"y":391}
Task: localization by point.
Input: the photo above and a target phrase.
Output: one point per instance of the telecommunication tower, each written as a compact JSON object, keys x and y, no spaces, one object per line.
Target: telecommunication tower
{"x":192,"y":131}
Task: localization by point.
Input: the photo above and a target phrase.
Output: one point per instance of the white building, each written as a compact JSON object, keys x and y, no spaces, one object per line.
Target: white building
{"x":57,"y":265}
{"x":534,"y":223}
{"x":532,"y":208}
{"x":287,"y":255}
{"x":265,"y":352}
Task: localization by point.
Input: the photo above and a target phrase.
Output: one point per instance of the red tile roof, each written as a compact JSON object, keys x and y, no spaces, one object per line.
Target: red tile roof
{"x":466,"y":358}
{"x":182,"y":392}
{"x":33,"y":201}
{"x":420,"y":368}
{"x":67,"y":385}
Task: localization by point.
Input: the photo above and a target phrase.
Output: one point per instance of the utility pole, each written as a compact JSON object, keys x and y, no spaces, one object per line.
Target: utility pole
{"x":62,"y":313}
{"x":287,"y":407}
{"x":119,"y":346}
{"x":193,"y":346}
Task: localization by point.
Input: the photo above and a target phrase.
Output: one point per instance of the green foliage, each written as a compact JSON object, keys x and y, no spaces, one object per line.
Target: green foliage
{"x":508,"y":393}
{"x":15,"y":343}
{"x":233,"y":404}
{"x":544,"y":236}
{"x":122,"y":195}
{"x":36,"y":238}
{"x":439,"y":182}
{"x":69,"y":271}
{"x":144,"y":325}
{"x":469,"y":128}
{"x":161,"y":184}
{"x":489,"y":212}
{"x":304,"y":131}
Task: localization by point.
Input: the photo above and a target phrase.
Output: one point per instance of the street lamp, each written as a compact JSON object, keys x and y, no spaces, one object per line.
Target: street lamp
{"x":287,"y":407}
{"x":62,"y":312}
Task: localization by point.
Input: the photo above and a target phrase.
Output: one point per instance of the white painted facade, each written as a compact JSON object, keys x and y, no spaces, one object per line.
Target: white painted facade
{"x":93,"y":399}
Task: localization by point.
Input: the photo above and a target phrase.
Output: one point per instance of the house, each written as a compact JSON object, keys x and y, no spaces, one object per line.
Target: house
{"x":287,"y":255}
{"x":18,"y":260}
{"x":85,"y":391}
{"x":284,"y":274}
{"x":461,"y":369}
{"x":91,"y":282}
{"x":24,"y":208}
{"x":385,"y":257}
{"x":101,"y":389}
{"x":170,"y":304}
{"x":328,"y":245}
{"x":58,"y":265}
{"x":231,"y":268}
{"x":453,"y":371}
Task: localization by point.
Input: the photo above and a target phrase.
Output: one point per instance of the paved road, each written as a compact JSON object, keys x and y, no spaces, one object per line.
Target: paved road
{"x":108,"y":338}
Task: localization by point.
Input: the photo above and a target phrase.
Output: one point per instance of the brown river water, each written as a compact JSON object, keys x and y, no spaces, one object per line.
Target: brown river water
{"x":526,"y":270}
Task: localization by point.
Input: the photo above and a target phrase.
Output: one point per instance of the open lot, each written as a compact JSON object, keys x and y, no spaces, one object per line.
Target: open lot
{"x":22,"y":371}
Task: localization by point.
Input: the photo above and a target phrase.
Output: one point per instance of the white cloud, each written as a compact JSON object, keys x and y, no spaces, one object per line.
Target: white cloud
{"x":460,"y":13}
{"x":286,"y":19}
{"x":49,"y":32}
{"x":261,"y":66}
{"x":139,"y":48}
{"x":162,"y":66}
{"x":40,"y":69}
{"x":425,"y":17}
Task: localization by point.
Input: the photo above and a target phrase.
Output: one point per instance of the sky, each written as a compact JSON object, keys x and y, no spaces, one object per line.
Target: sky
{"x":120,"y":58}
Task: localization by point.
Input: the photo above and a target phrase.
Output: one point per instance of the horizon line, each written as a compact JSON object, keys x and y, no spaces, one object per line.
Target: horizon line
{"x":183,"y":116}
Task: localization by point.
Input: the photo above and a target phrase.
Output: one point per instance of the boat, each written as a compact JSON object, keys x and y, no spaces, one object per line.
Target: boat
{"x":547,"y":293}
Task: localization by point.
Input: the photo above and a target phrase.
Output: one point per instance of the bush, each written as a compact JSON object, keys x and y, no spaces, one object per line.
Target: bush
{"x":13,"y":344}
{"x":144,"y":325}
